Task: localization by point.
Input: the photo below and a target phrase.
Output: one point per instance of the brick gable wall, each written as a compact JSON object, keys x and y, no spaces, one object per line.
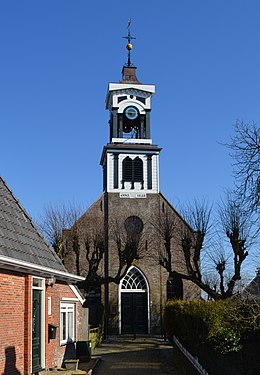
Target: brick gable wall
{"x":149,"y":211}
{"x":16,"y":323}
{"x":12,"y":323}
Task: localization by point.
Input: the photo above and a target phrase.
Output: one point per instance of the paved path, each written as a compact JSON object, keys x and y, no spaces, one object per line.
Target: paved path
{"x":140,"y":356}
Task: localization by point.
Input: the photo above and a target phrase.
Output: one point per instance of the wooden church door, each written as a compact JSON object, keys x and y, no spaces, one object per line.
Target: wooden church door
{"x":134,"y":303}
{"x":134,"y":312}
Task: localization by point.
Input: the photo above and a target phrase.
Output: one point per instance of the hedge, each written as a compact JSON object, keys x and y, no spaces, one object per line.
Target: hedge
{"x":220,"y":324}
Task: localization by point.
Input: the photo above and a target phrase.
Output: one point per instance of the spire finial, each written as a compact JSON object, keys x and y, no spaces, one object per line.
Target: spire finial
{"x":129,"y":45}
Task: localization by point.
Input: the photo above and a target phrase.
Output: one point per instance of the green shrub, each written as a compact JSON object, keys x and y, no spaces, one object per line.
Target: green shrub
{"x":201,"y":322}
{"x":226,"y":341}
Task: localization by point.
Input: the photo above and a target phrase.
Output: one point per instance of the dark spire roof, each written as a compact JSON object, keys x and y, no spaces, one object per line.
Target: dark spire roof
{"x":129,"y":75}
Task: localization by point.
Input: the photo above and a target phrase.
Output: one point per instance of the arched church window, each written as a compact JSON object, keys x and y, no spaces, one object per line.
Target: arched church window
{"x":174,"y":287}
{"x":134,"y":280}
{"x":133,"y":171}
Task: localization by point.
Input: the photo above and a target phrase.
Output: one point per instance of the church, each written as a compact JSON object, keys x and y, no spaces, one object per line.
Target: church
{"x":120,"y":235}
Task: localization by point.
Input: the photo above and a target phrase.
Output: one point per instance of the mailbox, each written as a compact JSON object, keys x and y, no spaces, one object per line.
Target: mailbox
{"x":52,"y":331}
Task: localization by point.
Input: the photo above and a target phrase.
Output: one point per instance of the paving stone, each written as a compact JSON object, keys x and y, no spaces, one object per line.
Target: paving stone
{"x":140,"y":356}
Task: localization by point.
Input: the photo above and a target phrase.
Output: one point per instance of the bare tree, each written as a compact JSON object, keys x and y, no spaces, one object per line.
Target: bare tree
{"x":72,"y":240}
{"x":93,"y":246}
{"x":54,"y":219}
{"x":236,"y":224}
{"x":126,"y":240}
{"x":166,"y":226}
{"x":129,"y":245}
{"x":197,"y":216}
{"x":245,"y":146}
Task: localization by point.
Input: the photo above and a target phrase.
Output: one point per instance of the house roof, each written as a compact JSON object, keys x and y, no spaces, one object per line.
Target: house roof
{"x":22,"y":246}
{"x":253,"y":288}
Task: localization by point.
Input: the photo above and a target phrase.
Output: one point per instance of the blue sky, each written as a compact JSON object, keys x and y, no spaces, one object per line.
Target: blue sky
{"x":57,"y":58}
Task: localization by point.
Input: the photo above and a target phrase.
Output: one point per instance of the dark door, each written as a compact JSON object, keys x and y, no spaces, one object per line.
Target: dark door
{"x":134,"y":318}
{"x":36,"y":331}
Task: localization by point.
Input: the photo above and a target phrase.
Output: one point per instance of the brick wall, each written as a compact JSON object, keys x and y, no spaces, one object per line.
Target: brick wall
{"x":149,"y":210}
{"x":16,"y":323}
{"x":12,"y":323}
{"x":54,"y":351}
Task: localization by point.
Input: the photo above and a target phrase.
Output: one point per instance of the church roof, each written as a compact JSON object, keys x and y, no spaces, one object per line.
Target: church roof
{"x":22,"y":246}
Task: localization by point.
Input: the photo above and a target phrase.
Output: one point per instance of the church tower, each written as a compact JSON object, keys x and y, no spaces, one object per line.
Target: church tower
{"x":130,"y":161}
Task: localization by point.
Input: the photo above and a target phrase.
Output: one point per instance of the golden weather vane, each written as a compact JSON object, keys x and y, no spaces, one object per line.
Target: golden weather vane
{"x":129,"y":45}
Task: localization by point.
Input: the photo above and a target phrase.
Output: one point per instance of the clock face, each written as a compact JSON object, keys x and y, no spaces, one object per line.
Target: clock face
{"x":131,"y":113}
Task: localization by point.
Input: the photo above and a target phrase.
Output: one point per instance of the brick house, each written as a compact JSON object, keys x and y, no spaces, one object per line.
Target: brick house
{"x":38,"y":297}
{"x":253,"y":288}
{"x":131,"y":202}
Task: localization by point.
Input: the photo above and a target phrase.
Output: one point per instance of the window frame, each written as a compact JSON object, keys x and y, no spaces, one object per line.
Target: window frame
{"x":66,"y":308}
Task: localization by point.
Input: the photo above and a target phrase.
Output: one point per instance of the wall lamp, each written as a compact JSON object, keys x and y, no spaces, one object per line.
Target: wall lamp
{"x":51,"y":281}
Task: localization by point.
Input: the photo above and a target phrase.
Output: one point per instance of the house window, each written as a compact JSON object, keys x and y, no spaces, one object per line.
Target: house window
{"x":67,"y":322}
{"x":37,"y":283}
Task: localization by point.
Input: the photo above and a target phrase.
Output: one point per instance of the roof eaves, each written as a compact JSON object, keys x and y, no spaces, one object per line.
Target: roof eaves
{"x":26,"y":267}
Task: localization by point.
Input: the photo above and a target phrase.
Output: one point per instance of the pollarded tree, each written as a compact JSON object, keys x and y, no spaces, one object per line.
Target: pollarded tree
{"x":166,"y":226}
{"x":89,"y":242}
{"x":245,"y":146}
{"x":129,"y":240}
{"x":75,"y":243}
{"x":235,"y":224}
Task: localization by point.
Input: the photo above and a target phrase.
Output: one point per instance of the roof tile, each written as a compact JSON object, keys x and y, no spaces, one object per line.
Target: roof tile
{"x":19,"y":237}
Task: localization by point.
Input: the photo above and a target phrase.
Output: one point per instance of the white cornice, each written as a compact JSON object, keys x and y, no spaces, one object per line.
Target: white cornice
{"x":34,"y":269}
{"x":135,"y":86}
{"x":77,"y":294}
{"x":123,"y":88}
{"x":132,"y":141}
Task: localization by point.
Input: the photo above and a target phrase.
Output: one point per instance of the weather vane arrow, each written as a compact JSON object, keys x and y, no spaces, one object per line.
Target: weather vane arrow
{"x":129,"y":45}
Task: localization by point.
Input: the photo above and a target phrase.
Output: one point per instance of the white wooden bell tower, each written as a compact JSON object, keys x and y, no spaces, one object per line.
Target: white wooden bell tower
{"x":130,"y":160}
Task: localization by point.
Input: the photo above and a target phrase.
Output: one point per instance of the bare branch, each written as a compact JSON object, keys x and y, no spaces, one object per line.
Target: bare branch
{"x":245,"y":146}
{"x":54,"y":219}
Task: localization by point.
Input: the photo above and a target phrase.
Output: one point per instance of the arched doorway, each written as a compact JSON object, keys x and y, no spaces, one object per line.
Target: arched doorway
{"x":134,"y":306}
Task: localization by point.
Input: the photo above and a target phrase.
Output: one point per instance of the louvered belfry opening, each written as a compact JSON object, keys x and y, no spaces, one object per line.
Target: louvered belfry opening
{"x":133,"y":171}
